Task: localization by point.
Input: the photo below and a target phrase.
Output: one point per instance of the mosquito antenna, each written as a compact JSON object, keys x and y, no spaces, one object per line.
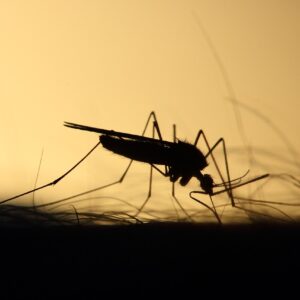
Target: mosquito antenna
{"x":232,"y":181}
{"x":244,"y":183}
{"x":56,"y":180}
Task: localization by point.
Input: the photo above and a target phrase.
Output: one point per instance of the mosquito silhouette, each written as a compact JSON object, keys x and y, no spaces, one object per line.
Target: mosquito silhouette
{"x":181,"y":161}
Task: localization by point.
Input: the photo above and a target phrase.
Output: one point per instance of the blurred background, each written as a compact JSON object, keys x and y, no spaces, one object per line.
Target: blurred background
{"x":231,"y":68}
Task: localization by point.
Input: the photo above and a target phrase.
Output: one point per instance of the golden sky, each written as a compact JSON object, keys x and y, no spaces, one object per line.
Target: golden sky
{"x":109,"y":63}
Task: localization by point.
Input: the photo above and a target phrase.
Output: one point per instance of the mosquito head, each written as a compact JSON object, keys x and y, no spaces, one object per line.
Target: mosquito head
{"x":206,"y":183}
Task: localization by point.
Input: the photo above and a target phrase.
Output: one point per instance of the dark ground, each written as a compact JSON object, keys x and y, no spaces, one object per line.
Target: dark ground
{"x":38,"y":261}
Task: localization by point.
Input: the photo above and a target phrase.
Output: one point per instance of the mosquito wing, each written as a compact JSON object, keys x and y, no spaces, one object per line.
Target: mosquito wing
{"x":116,"y":133}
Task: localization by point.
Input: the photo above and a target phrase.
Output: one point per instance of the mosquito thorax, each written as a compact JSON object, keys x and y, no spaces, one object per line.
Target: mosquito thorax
{"x":187,"y":159}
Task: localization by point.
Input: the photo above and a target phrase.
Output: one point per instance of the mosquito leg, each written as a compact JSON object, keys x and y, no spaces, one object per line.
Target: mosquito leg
{"x":173,"y":183}
{"x":54,"y":181}
{"x":152,"y":114}
{"x":155,"y":126}
{"x":174,"y":140}
{"x":229,"y":190}
{"x":210,"y":152}
{"x":201,"y":132}
{"x":120,"y":180}
{"x":156,"y":129}
{"x":155,"y":123}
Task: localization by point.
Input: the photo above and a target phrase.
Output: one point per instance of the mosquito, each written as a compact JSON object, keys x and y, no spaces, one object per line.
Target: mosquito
{"x":181,"y":160}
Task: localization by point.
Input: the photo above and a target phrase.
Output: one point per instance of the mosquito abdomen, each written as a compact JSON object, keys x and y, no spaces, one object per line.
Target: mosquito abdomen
{"x":153,"y":153}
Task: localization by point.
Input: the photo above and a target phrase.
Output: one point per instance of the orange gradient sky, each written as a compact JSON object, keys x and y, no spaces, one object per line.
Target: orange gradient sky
{"x":109,"y":63}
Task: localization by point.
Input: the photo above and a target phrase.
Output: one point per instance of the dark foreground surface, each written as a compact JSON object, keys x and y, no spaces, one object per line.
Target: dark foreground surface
{"x":40,"y":261}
